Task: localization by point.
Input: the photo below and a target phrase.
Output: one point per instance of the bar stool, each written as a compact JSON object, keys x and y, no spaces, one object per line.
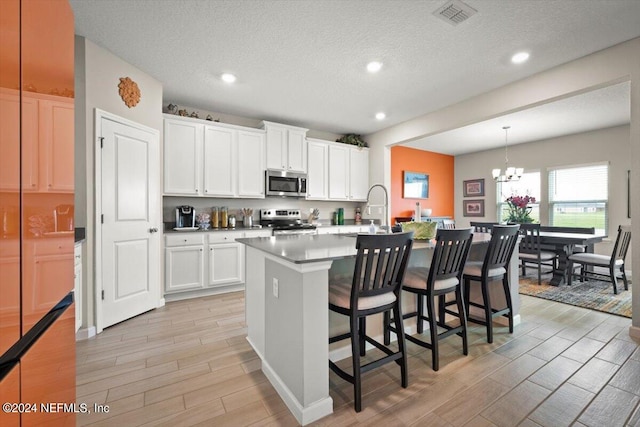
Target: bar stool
{"x":494,"y":267}
{"x":442,"y":278}
{"x":374,"y":288}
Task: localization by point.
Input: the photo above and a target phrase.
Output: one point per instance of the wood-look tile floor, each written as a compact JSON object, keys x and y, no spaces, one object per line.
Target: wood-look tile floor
{"x":189,"y":363}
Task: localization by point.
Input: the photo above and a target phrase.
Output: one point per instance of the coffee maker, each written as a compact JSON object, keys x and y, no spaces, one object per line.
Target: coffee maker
{"x":185,"y":216}
{"x":63,"y":218}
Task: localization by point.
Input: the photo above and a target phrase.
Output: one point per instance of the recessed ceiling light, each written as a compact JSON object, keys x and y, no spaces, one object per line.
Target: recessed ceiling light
{"x":520,"y":57}
{"x":228,"y":78}
{"x":374,"y":66}
{"x":381,"y":116}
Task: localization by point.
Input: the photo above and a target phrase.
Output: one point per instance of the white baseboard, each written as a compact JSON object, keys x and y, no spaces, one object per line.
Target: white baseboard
{"x":634,"y":332}
{"x":86,"y":333}
{"x":304,"y":415}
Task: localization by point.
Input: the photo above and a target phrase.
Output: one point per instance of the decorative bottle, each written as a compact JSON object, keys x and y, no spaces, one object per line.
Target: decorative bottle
{"x":418,"y":213}
{"x":358,"y":217}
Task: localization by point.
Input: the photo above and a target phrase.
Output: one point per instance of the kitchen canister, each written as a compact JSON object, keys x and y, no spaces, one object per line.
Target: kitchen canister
{"x":340,"y":216}
{"x":215,"y":217}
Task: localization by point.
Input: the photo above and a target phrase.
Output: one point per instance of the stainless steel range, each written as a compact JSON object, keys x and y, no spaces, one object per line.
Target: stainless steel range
{"x":285,"y":221}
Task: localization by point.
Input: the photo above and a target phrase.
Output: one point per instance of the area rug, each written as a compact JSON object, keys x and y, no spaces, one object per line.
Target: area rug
{"x":593,"y":294}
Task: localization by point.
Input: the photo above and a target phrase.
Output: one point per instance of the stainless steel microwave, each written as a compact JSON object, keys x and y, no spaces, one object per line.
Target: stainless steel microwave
{"x":285,"y":184}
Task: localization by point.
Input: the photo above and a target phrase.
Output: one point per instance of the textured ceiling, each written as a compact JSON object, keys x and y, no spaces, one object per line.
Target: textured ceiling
{"x":303,"y":62}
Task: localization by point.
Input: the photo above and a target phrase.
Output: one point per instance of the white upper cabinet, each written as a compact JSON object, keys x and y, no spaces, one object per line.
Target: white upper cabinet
{"x":47,"y":135}
{"x":358,"y":173}
{"x":286,"y":147}
{"x":220,"y":162}
{"x":318,"y":173}
{"x":212,"y":160}
{"x":183,"y":157}
{"x":251,"y":164}
{"x":337,"y":171}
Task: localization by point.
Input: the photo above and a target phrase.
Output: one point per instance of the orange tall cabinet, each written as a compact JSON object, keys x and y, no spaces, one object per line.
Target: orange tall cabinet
{"x":37,"y":332}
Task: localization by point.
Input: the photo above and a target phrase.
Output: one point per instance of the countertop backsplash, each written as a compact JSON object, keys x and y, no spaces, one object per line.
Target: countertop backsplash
{"x":326,"y":208}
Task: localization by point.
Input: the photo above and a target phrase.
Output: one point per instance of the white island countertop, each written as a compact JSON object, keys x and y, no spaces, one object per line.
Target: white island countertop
{"x":305,"y":248}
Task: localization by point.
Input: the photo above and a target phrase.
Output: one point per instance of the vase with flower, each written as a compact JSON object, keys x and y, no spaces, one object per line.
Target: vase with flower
{"x":519,"y":209}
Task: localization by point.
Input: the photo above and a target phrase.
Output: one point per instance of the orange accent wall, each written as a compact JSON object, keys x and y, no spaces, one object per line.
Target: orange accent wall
{"x":439,"y":167}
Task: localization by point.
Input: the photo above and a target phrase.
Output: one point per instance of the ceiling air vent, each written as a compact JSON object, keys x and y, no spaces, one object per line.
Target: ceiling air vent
{"x":455,"y":12}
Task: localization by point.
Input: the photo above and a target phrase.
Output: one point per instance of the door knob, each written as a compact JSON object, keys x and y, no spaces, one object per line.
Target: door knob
{"x":153,"y":230}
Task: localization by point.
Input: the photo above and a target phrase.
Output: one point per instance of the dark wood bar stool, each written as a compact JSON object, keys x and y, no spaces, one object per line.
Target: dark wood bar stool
{"x":494,"y":267}
{"x":442,"y":278}
{"x":375,"y":287}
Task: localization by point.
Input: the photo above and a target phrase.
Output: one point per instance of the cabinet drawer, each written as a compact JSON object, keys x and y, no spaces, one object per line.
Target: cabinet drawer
{"x":257,"y":233}
{"x":184,"y":239}
{"x":224,"y":236}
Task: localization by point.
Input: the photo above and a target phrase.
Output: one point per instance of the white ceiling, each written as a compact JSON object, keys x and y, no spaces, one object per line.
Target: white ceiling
{"x":303,"y":62}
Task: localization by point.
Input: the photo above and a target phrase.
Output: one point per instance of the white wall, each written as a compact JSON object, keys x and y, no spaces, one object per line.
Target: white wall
{"x":98,"y":74}
{"x":612,"y":65}
{"x":610,"y":145}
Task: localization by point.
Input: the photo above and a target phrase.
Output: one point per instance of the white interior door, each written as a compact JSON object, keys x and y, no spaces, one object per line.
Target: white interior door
{"x":131,"y":221}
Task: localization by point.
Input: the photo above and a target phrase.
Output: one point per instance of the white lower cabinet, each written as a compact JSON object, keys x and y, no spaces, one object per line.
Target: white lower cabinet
{"x":226,"y":259}
{"x":184,"y":262}
{"x":187,"y":269}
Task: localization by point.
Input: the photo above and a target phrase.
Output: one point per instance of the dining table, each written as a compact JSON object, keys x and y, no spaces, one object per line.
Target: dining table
{"x":562,"y":244}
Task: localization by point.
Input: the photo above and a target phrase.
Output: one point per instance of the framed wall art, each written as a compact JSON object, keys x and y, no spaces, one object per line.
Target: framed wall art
{"x":473,"y":188}
{"x":473,"y":207}
{"x":415,"y":185}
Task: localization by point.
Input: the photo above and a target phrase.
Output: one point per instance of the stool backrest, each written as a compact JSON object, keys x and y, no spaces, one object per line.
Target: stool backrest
{"x":449,"y":256}
{"x":503,"y":242}
{"x":380,"y":264}
{"x":448,"y":224}
{"x":482,"y":227}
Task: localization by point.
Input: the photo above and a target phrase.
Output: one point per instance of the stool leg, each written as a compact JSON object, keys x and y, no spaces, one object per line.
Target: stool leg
{"x":401,"y":345}
{"x":507,"y":297}
{"x":420,"y":305}
{"x":488,"y":318}
{"x":462,"y":315}
{"x":433,"y":330}
{"x":467,"y":295}
{"x":362,"y":333}
{"x":355,"y":355}
{"x":387,"y":332}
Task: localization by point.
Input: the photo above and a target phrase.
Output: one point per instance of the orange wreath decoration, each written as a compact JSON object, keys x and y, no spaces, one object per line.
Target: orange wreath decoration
{"x":129,"y":92}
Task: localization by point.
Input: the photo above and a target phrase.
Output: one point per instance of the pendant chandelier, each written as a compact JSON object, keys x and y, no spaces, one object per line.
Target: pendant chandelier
{"x":510,"y":173}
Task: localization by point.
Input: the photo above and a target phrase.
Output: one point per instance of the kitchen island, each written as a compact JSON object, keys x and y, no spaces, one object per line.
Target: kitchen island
{"x":287,"y":313}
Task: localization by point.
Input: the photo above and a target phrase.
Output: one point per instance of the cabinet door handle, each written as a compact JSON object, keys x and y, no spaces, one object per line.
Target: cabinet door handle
{"x":153,"y":230}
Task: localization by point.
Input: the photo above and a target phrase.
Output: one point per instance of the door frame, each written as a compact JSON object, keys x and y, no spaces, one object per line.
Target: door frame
{"x":99,"y":115}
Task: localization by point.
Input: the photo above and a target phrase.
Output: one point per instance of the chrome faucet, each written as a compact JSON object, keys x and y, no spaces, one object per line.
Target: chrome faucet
{"x":386,"y":205}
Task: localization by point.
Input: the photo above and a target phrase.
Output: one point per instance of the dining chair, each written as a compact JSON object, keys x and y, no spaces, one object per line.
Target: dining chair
{"x":448,"y":224}
{"x":443,"y":277}
{"x":482,"y":227}
{"x":613,"y":262}
{"x":532,"y":253}
{"x":494,"y":267}
{"x":375,"y":286}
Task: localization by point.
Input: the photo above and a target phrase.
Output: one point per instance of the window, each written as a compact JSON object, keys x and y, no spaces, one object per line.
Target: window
{"x":578,"y":196}
{"x":528,"y":185}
